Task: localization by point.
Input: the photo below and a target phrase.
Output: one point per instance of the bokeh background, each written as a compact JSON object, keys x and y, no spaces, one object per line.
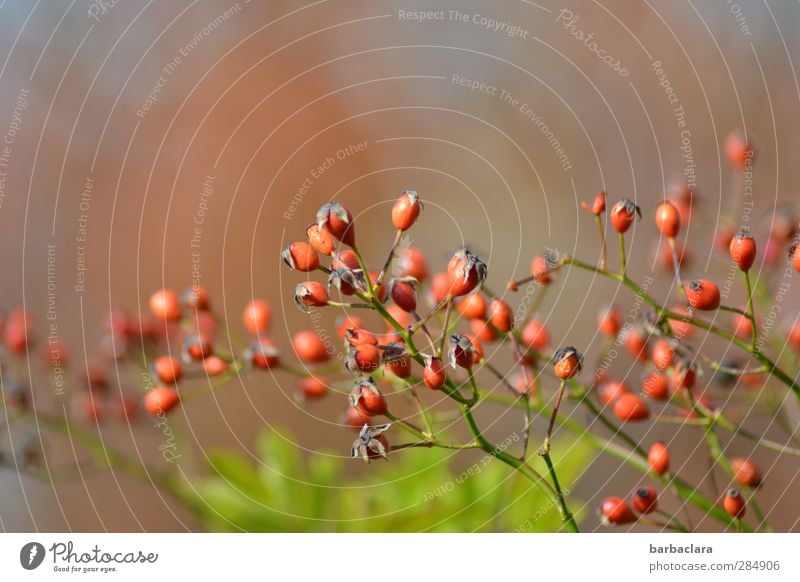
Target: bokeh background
{"x":147,"y":101}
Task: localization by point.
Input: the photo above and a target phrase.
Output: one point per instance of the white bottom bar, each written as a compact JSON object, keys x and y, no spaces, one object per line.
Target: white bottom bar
{"x":400,"y":557}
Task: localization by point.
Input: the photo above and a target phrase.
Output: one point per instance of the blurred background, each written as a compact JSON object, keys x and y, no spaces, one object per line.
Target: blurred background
{"x":147,"y":143}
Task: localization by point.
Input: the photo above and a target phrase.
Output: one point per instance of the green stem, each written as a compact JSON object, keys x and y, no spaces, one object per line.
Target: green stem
{"x":636,"y":457}
{"x":719,"y":456}
{"x":107,"y":455}
{"x":751,"y":308}
{"x":448,"y":309}
{"x":564,"y":510}
{"x":623,"y":260}
{"x":389,"y":258}
{"x":363,"y":264}
{"x":666,"y":313}
{"x":423,"y":413}
{"x":534,"y":476}
{"x":603,"y":254}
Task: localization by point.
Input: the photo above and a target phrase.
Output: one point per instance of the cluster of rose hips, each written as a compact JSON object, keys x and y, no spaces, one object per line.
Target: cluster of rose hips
{"x":644,"y":500}
{"x":371,"y":355}
{"x":96,"y":401}
{"x":178,"y":339}
{"x":671,"y":365}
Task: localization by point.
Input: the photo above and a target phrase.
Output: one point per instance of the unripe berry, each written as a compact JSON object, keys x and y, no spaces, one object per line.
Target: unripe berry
{"x":167,"y":369}
{"x":663,"y":354}
{"x":339,"y":222}
{"x":197,"y":347}
{"x":746,"y":472}
{"x":55,"y":353}
{"x":656,"y":386}
{"x":214,"y":366}
{"x":743,"y":250}
{"x":742,"y":326}
{"x":482,"y":330}
{"x":357,"y":336}
{"x":623,"y":213}
{"x":310,"y":294}
{"x":195,"y":298}
{"x":645,"y":499}
{"x":321,"y":239}
{"x":472,"y":306}
{"x":500,"y":315}
{"x":346,"y":280}
{"x":703,"y":294}
{"x":535,"y":335}
{"x":160,"y":400}
{"x":684,"y":375}
{"x":396,"y":360}
{"x":257,"y":316}
{"x":347,"y":259}
{"x":367,"y":398}
{"x":15,"y":337}
{"x":631,"y":407}
{"x":300,"y":256}
{"x":406,"y":210}
{"x":363,"y":357}
{"x":412,"y":263}
{"x":609,"y":321}
{"x":477,"y":349}
{"x":636,"y":343}
{"x":614,"y":511}
{"x":346,"y":322}
{"x":263,"y":353}
{"x":598,"y":205}
{"x":355,"y":419}
{"x":465,"y":273}
{"x":658,"y":458}
{"x":461,"y":352}
{"x":609,"y":391}
{"x":434,"y":374}
{"x":681,"y":327}
{"x":541,"y":270}
{"x":734,"y":504}
{"x":309,"y":347}
{"x":439,"y":287}
{"x":164,"y":304}
{"x":404,"y":294}
{"x":738,"y":151}
{"x":668,"y":220}
{"x":312,"y":388}
{"x":568,"y":363}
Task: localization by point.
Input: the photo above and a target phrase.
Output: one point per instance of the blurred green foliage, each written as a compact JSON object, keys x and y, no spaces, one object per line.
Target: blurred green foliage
{"x":416,"y":490}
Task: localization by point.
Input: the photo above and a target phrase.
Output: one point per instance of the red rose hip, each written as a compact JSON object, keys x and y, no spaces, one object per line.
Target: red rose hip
{"x":703,"y":294}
